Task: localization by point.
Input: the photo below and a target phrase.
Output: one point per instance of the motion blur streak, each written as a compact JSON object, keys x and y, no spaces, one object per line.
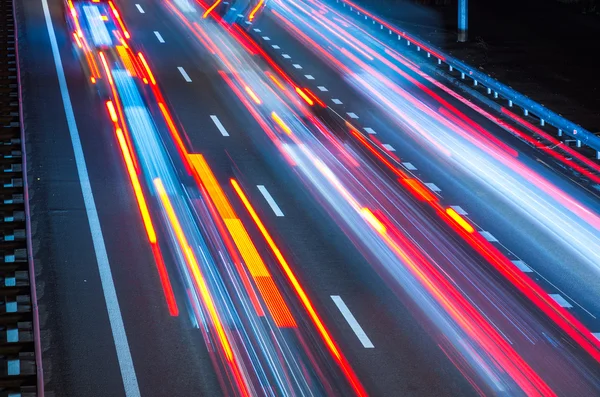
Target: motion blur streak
{"x":546,"y":207}
{"x":162,"y":270}
{"x":277,"y":307}
{"x":358,"y":388}
{"x":200,"y":282}
{"x":460,"y":220}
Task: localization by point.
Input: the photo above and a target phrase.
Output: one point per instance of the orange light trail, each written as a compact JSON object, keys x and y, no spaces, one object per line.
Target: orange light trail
{"x":147,"y":68}
{"x":460,"y":220}
{"x":255,"y":10}
{"x":256,"y":266}
{"x":420,"y":191}
{"x":106,"y":69}
{"x":147,"y":220}
{"x":342,"y":362}
{"x":111,"y":111}
{"x":304,"y":96}
{"x":210,"y":9}
{"x":121,"y":24}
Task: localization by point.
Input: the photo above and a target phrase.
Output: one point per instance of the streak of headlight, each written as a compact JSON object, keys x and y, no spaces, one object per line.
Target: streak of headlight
{"x":77,"y":40}
{"x":200,"y":283}
{"x":281,"y":123}
{"x":252,"y":95}
{"x":342,"y":362}
{"x":143,"y":207}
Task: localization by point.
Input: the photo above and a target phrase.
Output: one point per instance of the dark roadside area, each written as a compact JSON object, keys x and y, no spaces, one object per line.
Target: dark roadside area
{"x":547,"y":50}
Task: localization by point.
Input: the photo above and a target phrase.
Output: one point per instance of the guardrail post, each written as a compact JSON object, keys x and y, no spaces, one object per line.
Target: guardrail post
{"x":463,"y":22}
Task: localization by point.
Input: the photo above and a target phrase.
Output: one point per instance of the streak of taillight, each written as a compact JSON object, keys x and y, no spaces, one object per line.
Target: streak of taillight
{"x":314,"y":97}
{"x":304,"y":96}
{"x":112,"y":112}
{"x":459,"y":220}
{"x":418,"y":189}
{"x":337,"y":354}
{"x":77,"y":40}
{"x":277,"y":82}
{"x":141,"y":56}
{"x":211,"y":8}
{"x":121,"y":24}
{"x":143,"y":207}
{"x":255,"y":10}
{"x":106,"y":69}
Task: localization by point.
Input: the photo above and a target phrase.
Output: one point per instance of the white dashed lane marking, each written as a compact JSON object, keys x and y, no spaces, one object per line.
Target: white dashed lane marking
{"x":159,"y":37}
{"x":286,"y":56}
{"x":297,"y":66}
{"x":270,"y":200}
{"x":389,"y":147}
{"x":266,"y":38}
{"x":433,"y":187}
{"x":308,"y":76}
{"x":220,"y":127}
{"x":275,"y":46}
{"x":336,"y":101}
{"x":184,"y":74}
{"x":140,"y":9}
{"x":411,"y":167}
{"x":360,"y":333}
{"x":522,"y":266}
{"x":459,"y":210}
{"x":352,"y":115}
{"x":560,"y":300}
{"x":370,"y":130}
{"x":488,"y":236}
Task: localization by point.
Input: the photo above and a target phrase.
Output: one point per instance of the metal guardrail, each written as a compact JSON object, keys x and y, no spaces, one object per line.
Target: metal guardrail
{"x":19,"y":331}
{"x":564,"y":126}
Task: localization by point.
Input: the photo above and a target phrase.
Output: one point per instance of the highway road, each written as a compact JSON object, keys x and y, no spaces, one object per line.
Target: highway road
{"x":327,"y":250}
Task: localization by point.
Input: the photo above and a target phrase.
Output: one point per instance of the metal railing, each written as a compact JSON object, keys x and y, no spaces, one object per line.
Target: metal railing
{"x":580,"y":135}
{"x":20,"y":352}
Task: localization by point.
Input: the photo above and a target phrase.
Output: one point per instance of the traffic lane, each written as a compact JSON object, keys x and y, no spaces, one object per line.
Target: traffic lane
{"x":422,"y":86}
{"x":311,"y":70}
{"x":72,"y":312}
{"x":193,"y":104}
{"x":91,"y":363}
{"x":192,"y":78}
{"x":552,"y":262}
